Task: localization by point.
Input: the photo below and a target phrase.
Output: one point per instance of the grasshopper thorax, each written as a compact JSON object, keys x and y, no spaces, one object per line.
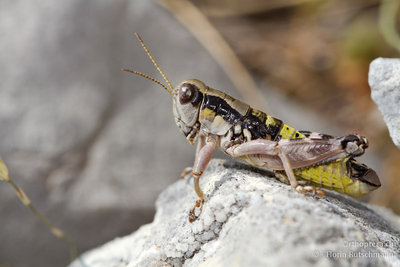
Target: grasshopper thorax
{"x":187,"y":99}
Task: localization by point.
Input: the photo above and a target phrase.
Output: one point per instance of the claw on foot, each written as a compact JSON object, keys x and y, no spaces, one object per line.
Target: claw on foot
{"x":192,"y":215}
{"x":311,"y":189}
{"x":185,"y":172}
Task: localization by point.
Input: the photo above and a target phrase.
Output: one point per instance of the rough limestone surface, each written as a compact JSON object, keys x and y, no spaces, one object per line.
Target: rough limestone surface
{"x":251,"y":219}
{"x":384,"y":79}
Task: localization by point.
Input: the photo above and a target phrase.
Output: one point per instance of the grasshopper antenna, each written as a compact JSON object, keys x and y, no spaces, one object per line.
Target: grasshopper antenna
{"x":153,"y":60}
{"x":150,"y":78}
{"x":170,"y":89}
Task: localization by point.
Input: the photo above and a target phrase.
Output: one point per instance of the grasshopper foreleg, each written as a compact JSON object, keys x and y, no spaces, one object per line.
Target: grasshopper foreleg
{"x":200,"y":144}
{"x":200,"y":164}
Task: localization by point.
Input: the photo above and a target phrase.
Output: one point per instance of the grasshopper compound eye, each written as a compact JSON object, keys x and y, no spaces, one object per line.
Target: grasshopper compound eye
{"x":187,"y":92}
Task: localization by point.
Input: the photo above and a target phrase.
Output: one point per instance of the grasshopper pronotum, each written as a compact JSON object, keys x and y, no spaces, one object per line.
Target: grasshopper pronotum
{"x":214,"y":119}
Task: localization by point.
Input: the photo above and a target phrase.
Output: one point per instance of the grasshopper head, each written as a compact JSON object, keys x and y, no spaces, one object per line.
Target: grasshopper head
{"x":354,"y":144}
{"x":187,"y":99}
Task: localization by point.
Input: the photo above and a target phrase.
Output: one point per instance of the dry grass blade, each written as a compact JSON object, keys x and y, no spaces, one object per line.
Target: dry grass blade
{"x":27,"y":202}
{"x":211,"y":39}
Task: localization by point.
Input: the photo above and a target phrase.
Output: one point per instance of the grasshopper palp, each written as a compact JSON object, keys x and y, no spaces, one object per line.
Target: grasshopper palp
{"x":215,"y":119}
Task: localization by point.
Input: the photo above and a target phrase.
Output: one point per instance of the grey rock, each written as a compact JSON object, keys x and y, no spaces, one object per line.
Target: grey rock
{"x":251,"y":219}
{"x":384,"y":79}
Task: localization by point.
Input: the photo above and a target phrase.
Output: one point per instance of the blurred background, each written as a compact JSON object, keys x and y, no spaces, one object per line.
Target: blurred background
{"x":93,"y":146}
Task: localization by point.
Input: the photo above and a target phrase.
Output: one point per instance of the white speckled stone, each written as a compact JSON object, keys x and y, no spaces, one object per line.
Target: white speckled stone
{"x":250,"y":219}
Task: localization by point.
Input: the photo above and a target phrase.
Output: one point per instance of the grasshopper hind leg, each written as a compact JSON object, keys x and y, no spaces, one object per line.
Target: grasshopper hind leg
{"x":272,"y":151}
{"x":302,"y":186}
{"x":291,"y":178}
{"x":309,"y":189}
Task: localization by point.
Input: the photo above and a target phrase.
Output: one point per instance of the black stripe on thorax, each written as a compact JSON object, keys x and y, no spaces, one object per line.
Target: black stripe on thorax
{"x":221,"y":108}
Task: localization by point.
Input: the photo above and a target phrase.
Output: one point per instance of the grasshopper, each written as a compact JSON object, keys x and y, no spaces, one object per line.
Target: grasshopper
{"x":214,"y":119}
